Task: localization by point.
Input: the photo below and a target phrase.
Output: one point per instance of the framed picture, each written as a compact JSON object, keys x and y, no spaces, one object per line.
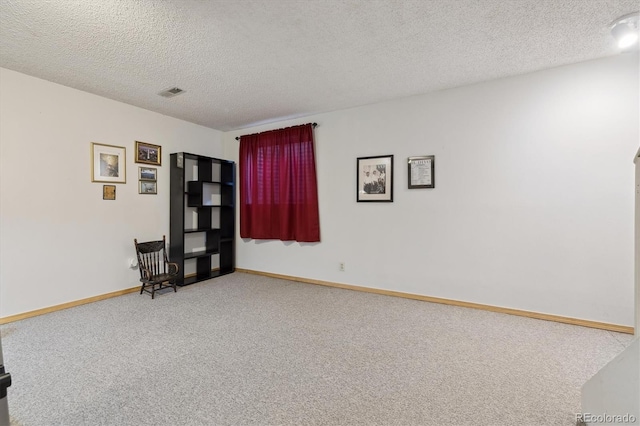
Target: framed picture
{"x":375,"y":178}
{"x":148,"y":173}
{"x":148,"y":154}
{"x":421,"y":172}
{"x":108,"y":192}
{"x":148,"y":187}
{"x":108,"y":163}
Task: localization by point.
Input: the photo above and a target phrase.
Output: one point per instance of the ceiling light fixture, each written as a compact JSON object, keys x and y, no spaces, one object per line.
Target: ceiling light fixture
{"x":625,"y":30}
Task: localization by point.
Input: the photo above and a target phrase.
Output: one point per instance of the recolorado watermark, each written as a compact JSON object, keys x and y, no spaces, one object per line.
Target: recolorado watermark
{"x":590,"y":418}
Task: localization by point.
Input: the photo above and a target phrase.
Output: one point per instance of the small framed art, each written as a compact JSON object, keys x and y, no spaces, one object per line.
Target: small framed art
{"x":375,"y":178}
{"x":108,"y":192}
{"x":147,"y":187}
{"x":147,"y":153}
{"x":148,"y":173}
{"x":108,"y":163}
{"x":421,"y":172}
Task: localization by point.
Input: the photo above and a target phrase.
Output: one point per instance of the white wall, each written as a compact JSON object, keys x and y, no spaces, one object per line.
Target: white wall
{"x":59,"y":241}
{"x":614,"y":390}
{"x":533,"y":205}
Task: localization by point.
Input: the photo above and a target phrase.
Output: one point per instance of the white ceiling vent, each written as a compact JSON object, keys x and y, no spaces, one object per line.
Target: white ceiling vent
{"x":170,"y":93}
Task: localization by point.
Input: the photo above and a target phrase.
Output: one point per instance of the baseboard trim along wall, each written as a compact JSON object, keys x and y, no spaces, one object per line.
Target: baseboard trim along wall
{"x":547,"y":317}
{"x":67,"y":305}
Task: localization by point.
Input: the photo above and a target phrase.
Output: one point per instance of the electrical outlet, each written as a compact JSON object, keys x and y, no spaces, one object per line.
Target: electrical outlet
{"x":342,"y":266}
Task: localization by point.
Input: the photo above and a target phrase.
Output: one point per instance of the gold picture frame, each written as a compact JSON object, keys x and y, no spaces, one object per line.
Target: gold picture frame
{"x":147,"y":153}
{"x":108,"y":163}
{"x":147,"y":187}
{"x":148,"y":173}
{"x":108,"y":192}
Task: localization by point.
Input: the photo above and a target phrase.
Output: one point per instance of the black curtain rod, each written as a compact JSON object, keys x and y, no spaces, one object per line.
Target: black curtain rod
{"x":313,"y":124}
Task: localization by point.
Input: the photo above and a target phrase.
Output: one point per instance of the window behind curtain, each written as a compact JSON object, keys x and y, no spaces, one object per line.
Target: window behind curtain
{"x":278,"y":186}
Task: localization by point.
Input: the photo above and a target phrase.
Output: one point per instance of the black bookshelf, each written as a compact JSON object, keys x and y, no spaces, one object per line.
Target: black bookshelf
{"x":202,"y":217}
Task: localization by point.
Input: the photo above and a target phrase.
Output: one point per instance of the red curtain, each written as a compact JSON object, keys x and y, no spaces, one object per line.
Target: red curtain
{"x":278,"y":186}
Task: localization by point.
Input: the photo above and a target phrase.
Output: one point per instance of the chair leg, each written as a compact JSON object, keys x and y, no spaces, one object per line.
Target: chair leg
{"x":141,"y":288}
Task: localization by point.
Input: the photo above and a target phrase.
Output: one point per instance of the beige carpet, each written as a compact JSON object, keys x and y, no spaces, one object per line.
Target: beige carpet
{"x":249,"y":350}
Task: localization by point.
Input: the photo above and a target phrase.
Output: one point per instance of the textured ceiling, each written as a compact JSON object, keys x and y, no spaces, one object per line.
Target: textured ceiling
{"x":246,"y":62}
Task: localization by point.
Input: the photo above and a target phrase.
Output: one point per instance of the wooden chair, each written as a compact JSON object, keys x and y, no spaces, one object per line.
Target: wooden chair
{"x":156,"y":272}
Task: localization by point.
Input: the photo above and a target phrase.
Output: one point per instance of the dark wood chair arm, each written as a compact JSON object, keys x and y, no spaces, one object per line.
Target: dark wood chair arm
{"x":146,"y":274}
{"x":173,"y":268}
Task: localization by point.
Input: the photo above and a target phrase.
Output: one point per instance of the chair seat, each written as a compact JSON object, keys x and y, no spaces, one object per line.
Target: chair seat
{"x":160,"y":278}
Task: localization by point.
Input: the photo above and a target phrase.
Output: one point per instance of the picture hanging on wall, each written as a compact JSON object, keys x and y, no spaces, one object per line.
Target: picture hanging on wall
{"x":147,"y":153}
{"x":108,"y":163}
{"x":421,"y":172}
{"x":375,"y":179}
{"x":108,"y":192}
{"x":146,"y":187}
{"x":148,"y":173}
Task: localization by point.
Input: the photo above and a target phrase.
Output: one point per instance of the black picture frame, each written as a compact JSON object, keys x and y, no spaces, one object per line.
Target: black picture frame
{"x":421,"y":171}
{"x":374,"y":179}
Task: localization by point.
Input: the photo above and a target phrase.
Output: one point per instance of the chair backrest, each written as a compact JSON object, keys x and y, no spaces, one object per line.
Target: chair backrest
{"x":152,"y":255}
